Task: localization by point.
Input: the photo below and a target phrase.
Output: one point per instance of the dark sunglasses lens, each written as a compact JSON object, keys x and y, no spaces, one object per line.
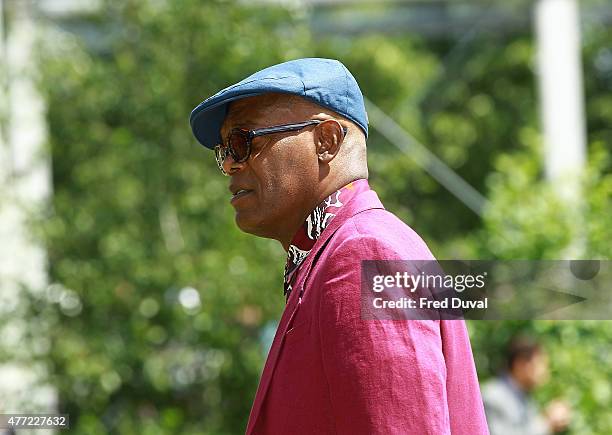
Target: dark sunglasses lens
{"x":239,"y":146}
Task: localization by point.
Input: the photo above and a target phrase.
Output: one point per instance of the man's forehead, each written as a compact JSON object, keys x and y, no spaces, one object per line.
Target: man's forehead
{"x":261,"y":108}
{"x":247,"y":108}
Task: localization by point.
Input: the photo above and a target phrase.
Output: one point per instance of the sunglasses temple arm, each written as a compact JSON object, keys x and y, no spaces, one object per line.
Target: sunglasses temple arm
{"x":282,"y":128}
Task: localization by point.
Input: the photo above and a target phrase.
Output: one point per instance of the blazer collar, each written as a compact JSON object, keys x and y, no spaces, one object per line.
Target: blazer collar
{"x":314,"y":226}
{"x":361,"y":202}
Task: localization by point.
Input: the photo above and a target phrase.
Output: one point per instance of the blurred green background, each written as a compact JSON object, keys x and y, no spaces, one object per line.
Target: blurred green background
{"x":159,"y":312}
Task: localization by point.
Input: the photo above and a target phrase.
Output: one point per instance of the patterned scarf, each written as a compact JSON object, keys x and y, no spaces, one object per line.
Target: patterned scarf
{"x":313,"y":227}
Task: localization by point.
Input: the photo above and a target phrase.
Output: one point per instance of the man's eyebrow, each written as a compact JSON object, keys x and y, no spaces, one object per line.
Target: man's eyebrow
{"x":242,"y":123}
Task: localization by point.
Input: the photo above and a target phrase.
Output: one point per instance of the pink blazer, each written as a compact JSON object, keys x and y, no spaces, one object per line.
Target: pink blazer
{"x":330,"y":372}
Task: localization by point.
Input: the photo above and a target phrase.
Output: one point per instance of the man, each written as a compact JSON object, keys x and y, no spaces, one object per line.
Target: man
{"x":509,"y":409}
{"x":292,"y":138}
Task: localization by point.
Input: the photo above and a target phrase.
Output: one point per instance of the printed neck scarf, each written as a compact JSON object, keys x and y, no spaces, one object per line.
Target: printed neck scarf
{"x":313,"y":227}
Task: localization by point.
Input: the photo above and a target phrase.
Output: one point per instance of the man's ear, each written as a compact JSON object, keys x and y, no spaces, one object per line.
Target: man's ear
{"x":329,"y":136}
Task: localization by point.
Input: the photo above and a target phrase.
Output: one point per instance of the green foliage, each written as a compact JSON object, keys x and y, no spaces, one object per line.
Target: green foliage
{"x":477,"y":109}
{"x":527,"y":219}
{"x":579,"y":354}
{"x":141,"y":214}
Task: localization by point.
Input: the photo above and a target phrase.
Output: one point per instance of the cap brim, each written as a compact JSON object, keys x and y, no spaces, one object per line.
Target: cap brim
{"x":206,"y":119}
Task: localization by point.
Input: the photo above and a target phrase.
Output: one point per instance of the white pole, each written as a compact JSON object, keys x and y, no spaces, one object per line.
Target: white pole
{"x":3,"y":83}
{"x":562,"y":107}
{"x":25,"y":186}
{"x":561,"y":93}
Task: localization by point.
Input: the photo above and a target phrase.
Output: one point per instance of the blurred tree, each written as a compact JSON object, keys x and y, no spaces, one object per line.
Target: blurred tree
{"x":155,"y":315}
{"x":527,"y":220}
{"x":475,"y":105}
{"x":461,"y":101}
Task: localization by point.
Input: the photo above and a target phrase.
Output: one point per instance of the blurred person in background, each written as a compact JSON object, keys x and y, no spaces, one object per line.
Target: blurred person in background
{"x":507,"y":399}
{"x":292,"y":139}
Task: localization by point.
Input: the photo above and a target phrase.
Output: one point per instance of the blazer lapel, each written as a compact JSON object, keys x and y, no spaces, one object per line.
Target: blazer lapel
{"x":266,"y":376}
{"x":365,"y":201}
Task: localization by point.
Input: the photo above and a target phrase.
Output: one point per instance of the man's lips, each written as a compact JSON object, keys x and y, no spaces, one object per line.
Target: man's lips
{"x":239,"y":193}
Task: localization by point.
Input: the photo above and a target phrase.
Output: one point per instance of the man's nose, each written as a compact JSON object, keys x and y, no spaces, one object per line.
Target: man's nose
{"x":230,"y":166}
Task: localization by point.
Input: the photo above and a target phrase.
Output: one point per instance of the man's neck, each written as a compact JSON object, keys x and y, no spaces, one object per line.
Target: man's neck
{"x":285,"y":239}
{"x":518,"y":382}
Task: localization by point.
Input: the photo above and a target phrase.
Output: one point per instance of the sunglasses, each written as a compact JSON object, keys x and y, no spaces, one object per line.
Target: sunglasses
{"x":239,"y":141}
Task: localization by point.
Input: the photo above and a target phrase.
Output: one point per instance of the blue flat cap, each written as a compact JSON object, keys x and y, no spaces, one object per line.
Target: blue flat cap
{"x":326,"y":82}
